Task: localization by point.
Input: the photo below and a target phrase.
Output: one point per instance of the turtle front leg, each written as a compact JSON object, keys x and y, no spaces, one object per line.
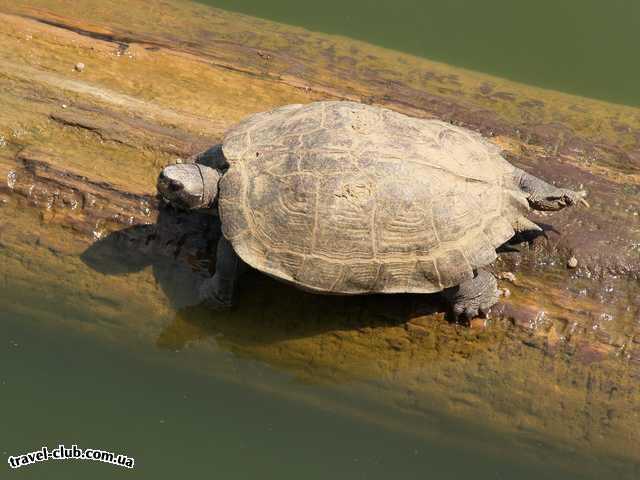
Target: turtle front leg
{"x":218,"y":291}
{"x":544,"y":196}
{"x":475,"y":296}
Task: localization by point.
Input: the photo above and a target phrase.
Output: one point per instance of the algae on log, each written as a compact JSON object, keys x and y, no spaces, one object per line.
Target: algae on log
{"x":80,"y":152}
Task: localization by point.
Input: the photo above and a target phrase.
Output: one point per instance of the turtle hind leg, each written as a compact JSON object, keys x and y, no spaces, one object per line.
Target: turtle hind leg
{"x":473,"y":297}
{"x":218,"y":291}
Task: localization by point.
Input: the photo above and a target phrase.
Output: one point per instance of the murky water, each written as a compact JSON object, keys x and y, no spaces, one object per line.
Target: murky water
{"x":65,"y":387}
{"x":585,"y":47}
{"x":99,"y":350}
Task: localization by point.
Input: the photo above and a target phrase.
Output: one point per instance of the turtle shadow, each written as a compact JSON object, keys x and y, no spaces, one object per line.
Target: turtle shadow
{"x":180,"y":249}
{"x":314,"y":338}
{"x":530,"y":237}
{"x":177,"y":248}
{"x":269,"y":312}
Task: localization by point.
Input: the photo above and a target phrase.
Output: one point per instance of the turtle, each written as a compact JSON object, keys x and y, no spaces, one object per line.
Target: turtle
{"x":339,"y":197}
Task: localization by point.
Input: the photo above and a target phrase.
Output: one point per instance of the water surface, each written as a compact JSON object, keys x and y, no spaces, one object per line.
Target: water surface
{"x":585,"y":47}
{"x":89,"y":360}
{"x":65,"y":387}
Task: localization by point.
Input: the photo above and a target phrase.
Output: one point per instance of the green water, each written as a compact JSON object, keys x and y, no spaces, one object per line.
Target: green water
{"x":256,"y":420}
{"x":60,"y":387}
{"x":585,"y":47}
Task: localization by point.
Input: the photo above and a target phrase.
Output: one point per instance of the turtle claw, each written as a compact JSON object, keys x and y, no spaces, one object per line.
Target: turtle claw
{"x":482,"y":312}
{"x":207,"y":297}
{"x":215,"y":304}
{"x":573,"y":198}
{"x":471,"y":313}
{"x":581,"y":199}
{"x":475,"y":297}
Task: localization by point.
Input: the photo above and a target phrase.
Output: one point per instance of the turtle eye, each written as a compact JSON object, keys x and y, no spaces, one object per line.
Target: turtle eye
{"x":174,"y":185}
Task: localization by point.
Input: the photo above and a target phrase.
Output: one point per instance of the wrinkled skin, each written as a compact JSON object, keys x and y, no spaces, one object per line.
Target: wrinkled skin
{"x":474,"y":297}
{"x":544,"y":196}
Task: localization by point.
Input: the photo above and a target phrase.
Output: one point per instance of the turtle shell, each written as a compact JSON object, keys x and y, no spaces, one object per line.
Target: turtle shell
{"x":341,"y":197}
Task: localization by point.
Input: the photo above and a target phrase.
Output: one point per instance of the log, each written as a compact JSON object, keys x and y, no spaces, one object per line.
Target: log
{"x":80,"y":221}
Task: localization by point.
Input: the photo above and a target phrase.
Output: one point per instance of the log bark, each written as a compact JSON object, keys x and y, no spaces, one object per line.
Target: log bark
{"x":80,"y":222}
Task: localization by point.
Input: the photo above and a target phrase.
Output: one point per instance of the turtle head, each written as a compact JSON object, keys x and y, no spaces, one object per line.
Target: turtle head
{"x":189,"y":185}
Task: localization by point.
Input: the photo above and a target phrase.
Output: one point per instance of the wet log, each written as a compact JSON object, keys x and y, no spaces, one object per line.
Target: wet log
{"x":80,"y":222}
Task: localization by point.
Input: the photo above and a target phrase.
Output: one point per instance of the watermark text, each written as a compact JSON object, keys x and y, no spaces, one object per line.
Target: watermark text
{"x":74,"y":453}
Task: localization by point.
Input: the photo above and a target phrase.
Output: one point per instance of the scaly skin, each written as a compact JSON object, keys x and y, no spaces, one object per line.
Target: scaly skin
{"x":474,"y":297}
{"x":544,"y":196}
{"x":218,"y":291}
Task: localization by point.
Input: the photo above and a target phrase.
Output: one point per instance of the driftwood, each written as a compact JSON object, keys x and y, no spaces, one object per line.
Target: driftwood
{"x":79,"y":220}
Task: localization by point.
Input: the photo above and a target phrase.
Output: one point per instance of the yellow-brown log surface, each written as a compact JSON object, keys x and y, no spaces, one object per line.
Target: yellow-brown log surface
{"x":80,"y":151}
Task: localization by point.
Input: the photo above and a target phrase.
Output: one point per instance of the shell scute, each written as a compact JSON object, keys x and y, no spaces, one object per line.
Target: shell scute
{"x":453,"y":267}
{"x":280,"y":211}
{"x":348,"y":198}
{"x":425,"y":276}
{"x":404,"y":220}
{"x":320,"y":274}
{"x":344,"y":214}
